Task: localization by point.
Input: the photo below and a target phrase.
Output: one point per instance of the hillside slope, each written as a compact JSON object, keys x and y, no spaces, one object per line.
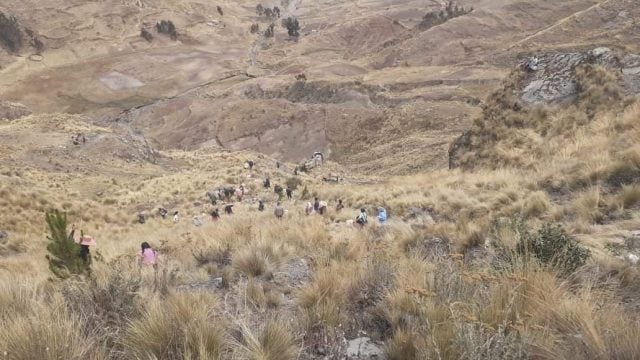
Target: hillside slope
{"x":366,"y":65}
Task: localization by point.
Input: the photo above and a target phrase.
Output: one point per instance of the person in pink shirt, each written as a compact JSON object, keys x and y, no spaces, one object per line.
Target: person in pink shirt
{"x":147,"y":256}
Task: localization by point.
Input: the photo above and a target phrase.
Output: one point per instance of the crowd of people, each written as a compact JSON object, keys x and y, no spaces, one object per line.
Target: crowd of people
{"x":227,"y":195}
{"x":148,"y":257}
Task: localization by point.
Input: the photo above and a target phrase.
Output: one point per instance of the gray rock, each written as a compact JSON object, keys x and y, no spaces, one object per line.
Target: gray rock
{"x":12,"y":111}
{"x":364,"y":348}
{"x":217,"y":282}
{"x":554,"y":77}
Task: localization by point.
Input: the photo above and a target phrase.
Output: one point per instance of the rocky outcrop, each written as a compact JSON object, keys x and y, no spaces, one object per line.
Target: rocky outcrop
{"x":12,"y":111}
{"x":364,"y":348}
{"x":551,"y":77}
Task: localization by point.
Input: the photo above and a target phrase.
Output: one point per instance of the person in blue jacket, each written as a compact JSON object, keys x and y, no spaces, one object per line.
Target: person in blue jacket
{"x":382,"y":215}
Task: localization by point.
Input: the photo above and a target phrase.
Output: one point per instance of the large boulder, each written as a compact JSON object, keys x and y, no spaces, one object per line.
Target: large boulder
{"x":551,"y":77}
{"x":364,"y":348}
{"x":12,"y":111}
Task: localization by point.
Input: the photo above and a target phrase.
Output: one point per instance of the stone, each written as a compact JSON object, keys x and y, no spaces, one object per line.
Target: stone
{"x":632,"y":259}
{"x":364,"y":348}
{"x":11,"y":111}
{"x":554,"y":78}
{"x":633,"y":242}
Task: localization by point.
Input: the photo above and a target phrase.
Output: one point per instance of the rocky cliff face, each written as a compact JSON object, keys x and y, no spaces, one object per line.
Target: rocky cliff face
{"x":551,"y":77}
{"x":559,"y":78}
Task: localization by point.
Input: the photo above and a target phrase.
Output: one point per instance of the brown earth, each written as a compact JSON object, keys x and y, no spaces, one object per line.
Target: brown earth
{"x":375,"y":84}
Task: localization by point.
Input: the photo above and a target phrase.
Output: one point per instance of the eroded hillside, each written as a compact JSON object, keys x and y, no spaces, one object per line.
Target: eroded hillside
{"x":501,"y":140}
{"x":371,"y":72}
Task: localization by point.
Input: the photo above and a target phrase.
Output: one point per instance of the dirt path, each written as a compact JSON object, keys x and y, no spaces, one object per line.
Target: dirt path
{"x":556,"y":24}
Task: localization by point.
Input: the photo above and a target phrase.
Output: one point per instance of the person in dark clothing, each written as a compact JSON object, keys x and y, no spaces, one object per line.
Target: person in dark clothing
{"x":339,"y":206}
{"x":267,"y":183}
{"x":278,"y":190}
{"x":289,"y":193}
{"x":316,"y":205}
{"x":278,"y":211}
{"x":260,"y":205}
{"x":213,"y":197}
{"x":215,"y":214}
{"x":228,"y":209}
{"x":84,"y":242}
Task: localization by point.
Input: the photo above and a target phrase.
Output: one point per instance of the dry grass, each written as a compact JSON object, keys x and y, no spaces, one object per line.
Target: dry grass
{"x":429,"y":284}
{"x":274,"y":342}
{"x":182,"y":327}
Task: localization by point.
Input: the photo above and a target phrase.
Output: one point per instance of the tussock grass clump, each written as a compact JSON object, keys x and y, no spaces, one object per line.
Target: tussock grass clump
{"x":273,"y":342}
{"x":104,"y":306}
{"x":629,"y":196}
{"x":323,"y":299}
{"x":182,"y":327}
{"x":46,"y":333}
{"x":536,"y":204}
{"x":252,"y":262}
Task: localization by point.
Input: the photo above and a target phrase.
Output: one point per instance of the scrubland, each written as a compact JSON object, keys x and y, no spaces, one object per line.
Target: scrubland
{"x":461,"y":271}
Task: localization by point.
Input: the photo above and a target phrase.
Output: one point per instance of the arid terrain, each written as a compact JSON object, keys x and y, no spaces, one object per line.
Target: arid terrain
{"x":500,"y":136}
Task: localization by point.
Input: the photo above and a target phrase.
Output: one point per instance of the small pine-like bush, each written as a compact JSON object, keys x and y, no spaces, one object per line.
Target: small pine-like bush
{"x":64,"y":253}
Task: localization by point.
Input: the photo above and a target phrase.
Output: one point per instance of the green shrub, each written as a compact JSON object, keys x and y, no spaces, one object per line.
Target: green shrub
{"x":103,"y":308}
{"x":64,"y":254}
{"x":294,"y":183}
{"x":10,"y":33}
{"x":552,"y":246}
{"x":515,"y":245}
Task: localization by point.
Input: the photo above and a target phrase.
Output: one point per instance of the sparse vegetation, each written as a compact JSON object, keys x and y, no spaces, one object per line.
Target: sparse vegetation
{"x":269,"y":13}
{"x":10,"y":33}
{"x":34,"y":41}
{"x":167,"y":27}
{"x":146,"y":34}
{"x":523,"y":251}
{"x":270,"y":31}
{"x":438,"y":17}
{"x":292,"y":26}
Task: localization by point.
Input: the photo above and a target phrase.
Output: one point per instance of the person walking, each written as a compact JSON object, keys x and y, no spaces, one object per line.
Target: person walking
{"x":382,"y":215}
{"x":361,"y":219}
{"x":215,"y":214}
{"x":147,"y":256}
{"x":289,"y":192}
{"x":339,"y":206}
{"x":278,"y":211}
